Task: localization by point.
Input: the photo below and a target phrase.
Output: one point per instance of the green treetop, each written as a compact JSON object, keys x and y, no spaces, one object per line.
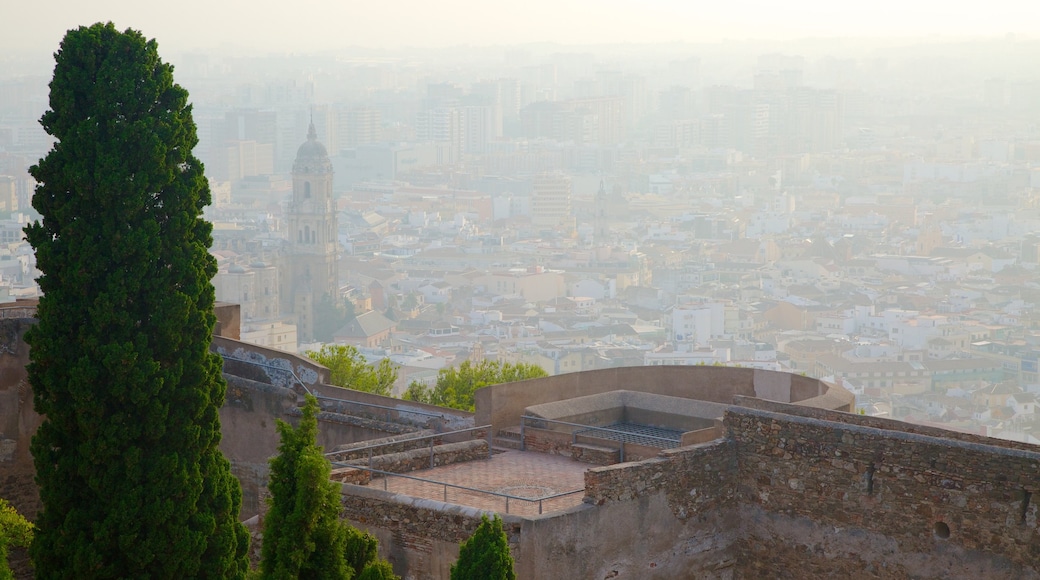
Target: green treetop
{"x":455,"y":387}
{"x":485,"y":555}
{"x":130,"y":476}
{"x":348,"y":368}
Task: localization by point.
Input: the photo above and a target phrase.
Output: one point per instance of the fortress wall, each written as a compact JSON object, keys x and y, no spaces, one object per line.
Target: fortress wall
{"x":877,"y":422}
{"x":268,"y":365}
{"x":824,"y":498}
{"x":18,"y":420}
{"x":433,"y":417}
{"x":249,"y":436}
{"x":419,"y":537}
{"x":673,"y":516}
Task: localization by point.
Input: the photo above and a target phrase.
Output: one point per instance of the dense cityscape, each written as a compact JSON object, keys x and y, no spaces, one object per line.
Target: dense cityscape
{"x":865,"y":213}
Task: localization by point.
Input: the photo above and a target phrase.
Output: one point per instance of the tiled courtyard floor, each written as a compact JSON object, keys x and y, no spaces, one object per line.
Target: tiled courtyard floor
{"x":517,"y":473}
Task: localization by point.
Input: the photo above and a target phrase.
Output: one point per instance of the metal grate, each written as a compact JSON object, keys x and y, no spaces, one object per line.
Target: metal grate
{"x":637,"y":434}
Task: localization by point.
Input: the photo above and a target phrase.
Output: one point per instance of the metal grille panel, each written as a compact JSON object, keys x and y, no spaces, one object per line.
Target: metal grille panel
{"x":637,"y":434}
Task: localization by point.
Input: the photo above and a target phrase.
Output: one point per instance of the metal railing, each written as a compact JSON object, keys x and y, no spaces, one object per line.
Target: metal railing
{"x":585,"y":428}
{"x":387,"y":475}
{"x":432,"y":438}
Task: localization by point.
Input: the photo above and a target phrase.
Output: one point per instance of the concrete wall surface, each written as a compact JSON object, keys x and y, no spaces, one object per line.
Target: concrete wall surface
{"x":502,"y":405}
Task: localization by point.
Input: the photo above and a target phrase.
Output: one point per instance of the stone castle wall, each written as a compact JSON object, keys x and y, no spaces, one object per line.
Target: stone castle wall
{"x":806,"y":494}
{"x":918,"y":505}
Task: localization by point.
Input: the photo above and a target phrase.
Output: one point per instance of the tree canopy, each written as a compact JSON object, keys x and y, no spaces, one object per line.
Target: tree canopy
{"x":131,"y":480}
{"x":485,"y":555}
{"x":349,"y":369}
{"x":304,"y":536}
{"x":455,"y":387}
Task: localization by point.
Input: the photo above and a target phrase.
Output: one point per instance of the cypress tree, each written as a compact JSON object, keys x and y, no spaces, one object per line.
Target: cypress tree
{"x":485,"y":555}
{"x":303,"y":535}
{"x":130,"y":476}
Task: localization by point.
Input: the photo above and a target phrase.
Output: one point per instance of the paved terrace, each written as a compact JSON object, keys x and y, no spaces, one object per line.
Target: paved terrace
{"x":517,"y":473}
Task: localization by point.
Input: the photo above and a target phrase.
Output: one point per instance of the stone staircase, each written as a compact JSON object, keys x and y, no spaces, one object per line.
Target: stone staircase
{"x":507,"y":439}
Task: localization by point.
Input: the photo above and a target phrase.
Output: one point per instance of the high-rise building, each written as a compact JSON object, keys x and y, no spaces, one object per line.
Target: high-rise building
{"x":551,"y":200}
{"x":309,"y":267}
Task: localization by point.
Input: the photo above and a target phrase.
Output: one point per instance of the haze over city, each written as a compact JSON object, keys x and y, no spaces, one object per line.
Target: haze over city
{"x":269,"y":26}
{"x":849,"y":192}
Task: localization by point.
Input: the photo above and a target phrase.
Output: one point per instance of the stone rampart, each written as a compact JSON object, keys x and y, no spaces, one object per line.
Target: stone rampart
{"x":416,"y":459}
{"x":808,"y":493}
{"x":918,"y":505}
{"x":420,"y":537}
{"x":382,"y":445}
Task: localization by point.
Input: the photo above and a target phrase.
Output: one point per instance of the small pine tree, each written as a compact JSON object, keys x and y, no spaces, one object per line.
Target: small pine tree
{"x":378,"y":570}
{"x":485,"y":555}
{"x":303,"y":535}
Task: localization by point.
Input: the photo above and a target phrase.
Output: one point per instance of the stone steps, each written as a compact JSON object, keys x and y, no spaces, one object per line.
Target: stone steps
{"x":507,"y":439}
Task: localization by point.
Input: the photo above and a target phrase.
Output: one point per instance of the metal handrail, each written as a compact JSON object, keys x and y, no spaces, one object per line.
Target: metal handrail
{"x":387,"y":474}
{"x":574,"y":434}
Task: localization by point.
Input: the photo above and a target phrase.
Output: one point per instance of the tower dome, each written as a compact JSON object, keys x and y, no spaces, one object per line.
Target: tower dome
{"x":312,"y":157}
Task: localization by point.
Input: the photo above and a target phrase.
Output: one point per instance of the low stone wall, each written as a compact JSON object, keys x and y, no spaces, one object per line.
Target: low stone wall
{"x":351,"y":475}
{"x":708,"y":478}
{"x":392,"y":444}
{"x":547,"y":441}
{"x":594,"y":454}
{"x":419,"y":537}
{"x":416,"y":459}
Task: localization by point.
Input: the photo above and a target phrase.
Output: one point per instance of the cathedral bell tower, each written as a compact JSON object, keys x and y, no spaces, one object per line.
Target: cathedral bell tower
{"x":310,"y":268}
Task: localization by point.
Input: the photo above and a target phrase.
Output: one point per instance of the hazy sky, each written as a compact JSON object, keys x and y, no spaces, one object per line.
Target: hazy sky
{"x":308,"y":25}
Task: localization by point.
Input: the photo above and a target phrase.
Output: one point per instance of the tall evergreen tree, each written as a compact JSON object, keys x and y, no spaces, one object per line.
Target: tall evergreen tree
{"x":485,"y":555}
{"x":131,"y":479}
{"x":304,"y":536}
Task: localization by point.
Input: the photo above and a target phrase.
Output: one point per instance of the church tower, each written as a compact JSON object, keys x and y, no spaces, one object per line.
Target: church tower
{"x":310,"y":268}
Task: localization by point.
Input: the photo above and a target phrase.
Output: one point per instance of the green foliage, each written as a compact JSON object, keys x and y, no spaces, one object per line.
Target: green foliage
{"x":456,"y":386}
{"x":361,"y":549}
{"x":304,"y":536}
{"x":349,"y":369}
{"x":131,"y":479}
{"x":378,"y":570}
{"x":16,"y":531}
{"x":485,"y":554}
{"x":330,"y":317}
